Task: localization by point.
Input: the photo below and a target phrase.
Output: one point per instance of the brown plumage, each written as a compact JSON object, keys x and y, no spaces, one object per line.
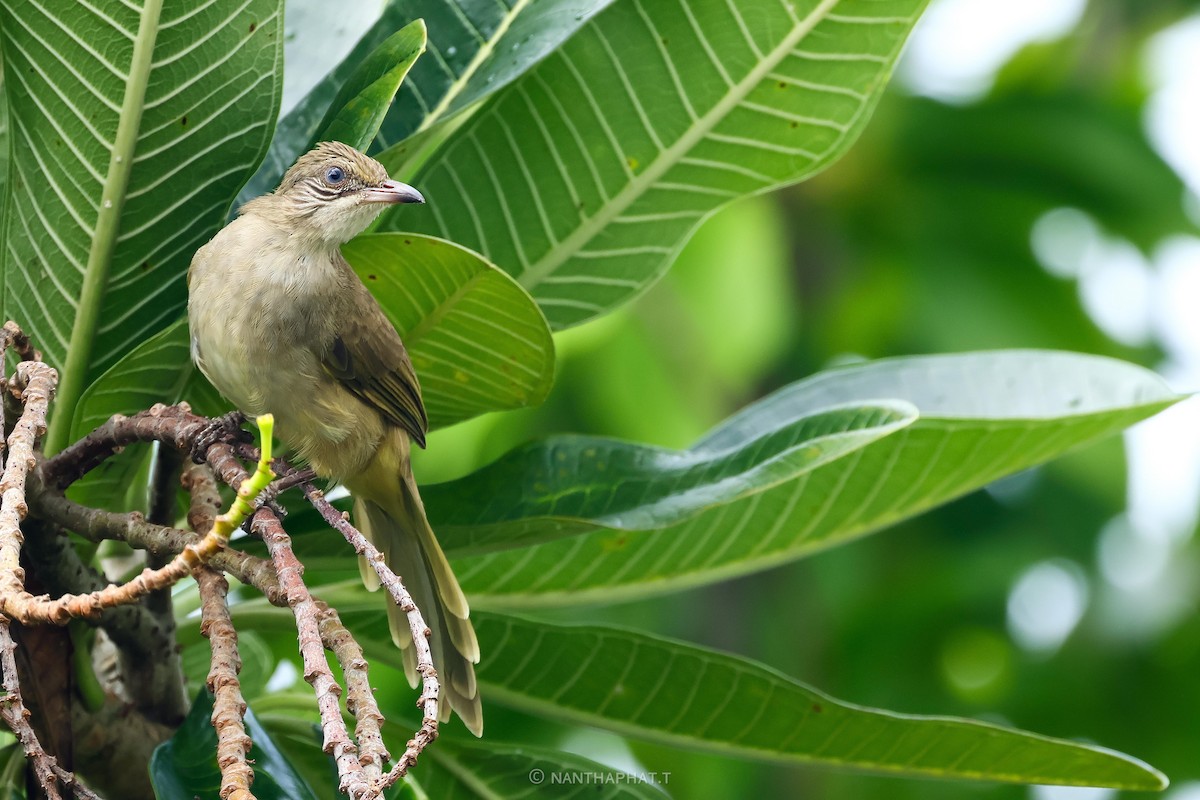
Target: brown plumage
{"x":280,"y":323}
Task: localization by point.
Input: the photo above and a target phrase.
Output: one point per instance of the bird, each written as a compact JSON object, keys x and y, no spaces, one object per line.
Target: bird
{"x":280,"y":323}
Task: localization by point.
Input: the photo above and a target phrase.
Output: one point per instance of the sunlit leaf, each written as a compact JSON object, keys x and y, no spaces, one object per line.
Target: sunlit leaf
{"x":580,"y":482}
{"x":477,"y":340}
{"x":982,"y":416}
{"x":474,"y":50}
{"x":583,"y":179}
{"x":132,"y":127}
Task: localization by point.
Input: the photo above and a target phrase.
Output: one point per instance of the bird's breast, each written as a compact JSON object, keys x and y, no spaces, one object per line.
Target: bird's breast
{"x":258,"y":326}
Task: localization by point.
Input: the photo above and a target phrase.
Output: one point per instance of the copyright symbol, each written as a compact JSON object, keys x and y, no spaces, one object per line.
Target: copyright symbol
{"x":536,"y":776}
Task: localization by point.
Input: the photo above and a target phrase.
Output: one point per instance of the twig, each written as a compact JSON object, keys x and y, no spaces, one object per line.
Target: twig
{"x":133,"y":529}
{"x":173,"y":425}
{"x":229,"y":706}
{"x":147,"y":645}
{"x":337,"y":742}
{"x":360,"y":697}
{"x":430,"y":688}
{"x":36,"y":382}
{"x":17,"y":716}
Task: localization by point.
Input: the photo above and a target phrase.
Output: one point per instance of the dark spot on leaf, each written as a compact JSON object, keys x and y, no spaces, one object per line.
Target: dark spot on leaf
{"x":372,"y":278}
{"x":665,"y":41}
{"x":408,"y":241}
{"x":145,"y":266}
{"x":183,"y":120}
{"x":795,"y":124}
{"x":816,"y":707}
{"x":253,"y":26}
{"x":783,"y":84}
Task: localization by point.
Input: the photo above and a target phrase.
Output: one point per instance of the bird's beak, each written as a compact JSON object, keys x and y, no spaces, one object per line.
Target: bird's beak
{"x":392,"y":192}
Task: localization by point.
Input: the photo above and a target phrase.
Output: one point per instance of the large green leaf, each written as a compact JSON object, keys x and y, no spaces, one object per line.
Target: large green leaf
{"x":584,"y":177}
{"x":683,"y":695}
{"x":186,"y":766}
{"x":133,"y":126}
{"x":479,"y":49}
{"x":477,"y":340}
{"x":580,"y":482}
{"x":475,"y":49}
{"x":982,"y":416}
{"x":687,"y":696}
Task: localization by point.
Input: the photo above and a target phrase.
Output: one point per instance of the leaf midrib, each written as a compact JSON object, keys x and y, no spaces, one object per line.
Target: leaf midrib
{"x":640,"y":183}
{"x":481,"y":55}
{"x":108,"y":221}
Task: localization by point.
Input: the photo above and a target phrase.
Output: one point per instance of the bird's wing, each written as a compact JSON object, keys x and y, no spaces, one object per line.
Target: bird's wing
{"x":368,"y":358}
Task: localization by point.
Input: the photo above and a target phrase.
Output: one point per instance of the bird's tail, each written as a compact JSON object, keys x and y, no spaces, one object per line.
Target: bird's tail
{"x":398,"y":527}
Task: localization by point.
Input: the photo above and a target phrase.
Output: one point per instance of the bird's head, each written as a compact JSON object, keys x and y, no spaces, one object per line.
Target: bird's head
{"x":332,"y":193}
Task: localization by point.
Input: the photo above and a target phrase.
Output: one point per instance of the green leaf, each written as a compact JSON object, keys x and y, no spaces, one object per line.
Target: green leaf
{"x":158,"y":371}
{"x":477,"y":341}
{"x":583,"y":482}
{"x":475,"y":50}
{"x":463,"y":771}
{"x":358,"y":109}
{"x":654,"y":486}
{"x":982,"y":416}
{"x":478,"y":50}
{"x":186,"y":764}
{"x":682,"y":695}
{"x":133,"y":126}
{"x":583,"y":179}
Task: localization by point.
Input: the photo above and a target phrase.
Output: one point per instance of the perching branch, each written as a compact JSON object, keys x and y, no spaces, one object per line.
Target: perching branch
{"x":229,"y":707}
{"x":30,"y":487}
{"x":316,"y":671}
{"x":430,"y":688}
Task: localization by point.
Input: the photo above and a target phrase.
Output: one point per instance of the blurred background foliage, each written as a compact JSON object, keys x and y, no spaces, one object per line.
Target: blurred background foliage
{"x":1033,"y":212}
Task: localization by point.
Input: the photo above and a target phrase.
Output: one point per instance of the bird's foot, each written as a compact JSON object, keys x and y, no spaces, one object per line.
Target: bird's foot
{"x":268,"y":496}
{"x":225,"y":428}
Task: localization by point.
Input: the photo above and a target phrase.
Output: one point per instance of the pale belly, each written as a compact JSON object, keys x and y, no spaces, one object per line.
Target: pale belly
{"x":262,"y":369}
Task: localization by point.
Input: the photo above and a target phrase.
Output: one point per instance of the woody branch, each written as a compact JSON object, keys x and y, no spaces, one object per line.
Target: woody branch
{"x":37,"y":489}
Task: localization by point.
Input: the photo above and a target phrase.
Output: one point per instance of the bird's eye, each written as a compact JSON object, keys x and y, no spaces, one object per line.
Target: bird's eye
{"x":335,"y":175}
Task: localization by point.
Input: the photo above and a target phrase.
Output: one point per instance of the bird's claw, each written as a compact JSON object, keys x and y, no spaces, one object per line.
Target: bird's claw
{"x":268,"y":496}
{"x":225,"y":428}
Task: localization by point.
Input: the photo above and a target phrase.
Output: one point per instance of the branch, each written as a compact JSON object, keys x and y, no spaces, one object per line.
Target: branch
{"x":133,"y":529}
{"x":35,"y":382}
{"x":12,"y":708}
{"x":361,"y":776}
{"x":360,"y":697}
{"x":430,"y":688}
{"x":229,"y":707}
{"x":337,"y":742}
{"x":147,"y":646}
